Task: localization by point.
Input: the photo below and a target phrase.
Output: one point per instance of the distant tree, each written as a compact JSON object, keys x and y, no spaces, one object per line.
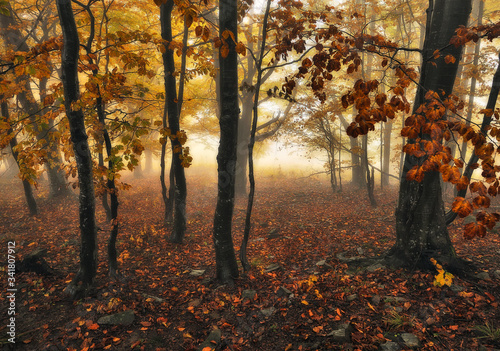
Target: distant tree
{"x":15,"y":40}
{"x":69,"y":76}
{"x":28,"y":190}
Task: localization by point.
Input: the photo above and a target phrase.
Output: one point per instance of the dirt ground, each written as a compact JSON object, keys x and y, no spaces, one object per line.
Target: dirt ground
{"x":299,"y":228}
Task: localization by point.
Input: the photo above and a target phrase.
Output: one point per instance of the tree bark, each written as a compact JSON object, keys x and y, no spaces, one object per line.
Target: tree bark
{"x":226,"y":264}
{"x":421,"y":230}
{"x":180,"y":193}
{"x":387,"y":153}
{"x":357,"y":172}
{"x":84,"y":279}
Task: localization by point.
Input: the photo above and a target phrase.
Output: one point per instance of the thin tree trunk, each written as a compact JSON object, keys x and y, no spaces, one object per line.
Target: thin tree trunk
{"x":251,"y":178}
{"x":387,"y":153}
{"x":84,"y":279}
{"x":148,"y":166}
{"x":357,"y":172}
{"x":104,"y":196}
{"x":370,"y":182}
{"x":473,"y":81}
{"x":110,"y":183}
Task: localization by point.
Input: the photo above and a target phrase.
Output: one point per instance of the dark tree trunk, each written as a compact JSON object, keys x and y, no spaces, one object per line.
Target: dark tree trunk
{"x":420,"y":218}
{"x":28,"y":190}
{"x":180,"y":193}
{"x":226,"y":264}
{"x":84,"y":279}
{"x":104,"y":196}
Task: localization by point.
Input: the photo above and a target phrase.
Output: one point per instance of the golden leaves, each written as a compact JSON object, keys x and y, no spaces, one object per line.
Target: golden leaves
{"x":442,"y":278}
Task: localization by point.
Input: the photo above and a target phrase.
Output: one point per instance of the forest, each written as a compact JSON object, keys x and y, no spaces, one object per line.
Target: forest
{"x":250,"y":175}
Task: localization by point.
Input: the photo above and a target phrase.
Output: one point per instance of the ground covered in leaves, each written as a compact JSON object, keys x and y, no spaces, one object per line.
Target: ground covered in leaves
{"x":297,"y":296}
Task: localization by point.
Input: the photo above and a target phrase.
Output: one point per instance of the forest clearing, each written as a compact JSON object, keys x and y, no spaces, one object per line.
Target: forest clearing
{"x":300,"y":228}
{"x":250,"y":175}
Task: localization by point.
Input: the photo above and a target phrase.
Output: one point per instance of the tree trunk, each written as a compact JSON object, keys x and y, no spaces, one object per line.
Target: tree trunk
{"x":28,"y":190}
{"x":387,"y":153}
{"x":357,"y":171}
{"x":148,"y":166}
{"x":84,"y":279}
{"x":104,"y":196}
{"x":473,"y":81}
{"x":421,"y":230}
{"x":225,"y":258}
{"x":370,"y":181}
{"x":244,"y":126}
{"x":251,"y":144}
{"x":180,"y":193}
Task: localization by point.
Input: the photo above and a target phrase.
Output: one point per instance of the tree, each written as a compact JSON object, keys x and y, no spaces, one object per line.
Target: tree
{"x":69,"y":76}
{"x":420,"y":217}
{"x":28,"y":190}
{"x":51,"y":154}
{"x":226,"y":264}
{"x":110,"y":174}
{"x":177,"y":137}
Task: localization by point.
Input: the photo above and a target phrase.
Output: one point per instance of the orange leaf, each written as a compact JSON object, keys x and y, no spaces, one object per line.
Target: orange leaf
{"x":198,"y":31}
{"x":472,"y":230}
{"x":449,"y":59}
{"x":206,"y":33}
{"x":462,"y":207}
{"x":224,"y":50}
{"x":146,"y":324}
{"x":488,"y":112}
{"x":241,"y":49}
{"x":93,"y":326}
{"x":318,"y":329}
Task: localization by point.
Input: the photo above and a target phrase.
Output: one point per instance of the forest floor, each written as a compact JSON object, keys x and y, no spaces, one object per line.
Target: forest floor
{"x":299,"y":228}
